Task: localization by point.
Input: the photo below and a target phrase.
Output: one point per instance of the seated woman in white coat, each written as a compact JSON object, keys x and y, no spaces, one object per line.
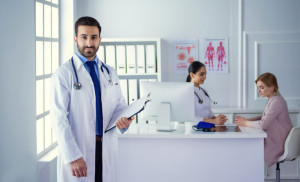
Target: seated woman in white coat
{"x":203,"y":112}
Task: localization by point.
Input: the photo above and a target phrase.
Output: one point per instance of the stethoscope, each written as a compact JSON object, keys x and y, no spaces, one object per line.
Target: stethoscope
{"x":201,"y":100}
{"x":78,"y":85}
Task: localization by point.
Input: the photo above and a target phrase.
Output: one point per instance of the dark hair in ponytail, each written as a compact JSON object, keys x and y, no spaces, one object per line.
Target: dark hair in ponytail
{"x":194,"y":68}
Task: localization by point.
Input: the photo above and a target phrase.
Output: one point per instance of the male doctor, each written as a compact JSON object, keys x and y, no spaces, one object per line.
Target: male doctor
{"x":82,"y":114}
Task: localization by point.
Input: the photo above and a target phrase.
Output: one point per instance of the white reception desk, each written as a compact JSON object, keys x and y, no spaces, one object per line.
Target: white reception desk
{"x":185,"y":155}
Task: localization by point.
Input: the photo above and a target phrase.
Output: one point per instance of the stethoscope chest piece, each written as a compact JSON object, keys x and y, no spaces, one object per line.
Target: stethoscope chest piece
{"x":200,"y":101}
{"x":77,"y":86}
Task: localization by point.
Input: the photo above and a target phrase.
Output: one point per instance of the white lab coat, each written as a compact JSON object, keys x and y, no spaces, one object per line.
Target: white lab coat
{"x":73,"y":114}
{"x":202,"y":110}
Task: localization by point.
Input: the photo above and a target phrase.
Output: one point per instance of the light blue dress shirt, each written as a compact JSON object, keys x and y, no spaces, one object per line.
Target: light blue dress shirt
{"x":84,"y":60}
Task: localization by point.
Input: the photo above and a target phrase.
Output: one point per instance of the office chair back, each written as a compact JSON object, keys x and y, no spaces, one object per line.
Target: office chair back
{"x":291,"y":146}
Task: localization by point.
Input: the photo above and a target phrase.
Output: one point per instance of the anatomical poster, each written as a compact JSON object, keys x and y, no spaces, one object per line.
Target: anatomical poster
{"x":215,"y":55}
{"x":185,"y":52}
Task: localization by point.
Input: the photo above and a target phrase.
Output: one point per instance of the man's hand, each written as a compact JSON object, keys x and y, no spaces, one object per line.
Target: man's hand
{"x":79,"y":168}
{"x":124,"y":122}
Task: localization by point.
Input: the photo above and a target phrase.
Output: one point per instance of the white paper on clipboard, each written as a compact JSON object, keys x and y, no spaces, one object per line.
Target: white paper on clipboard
{"x":133,"y":109}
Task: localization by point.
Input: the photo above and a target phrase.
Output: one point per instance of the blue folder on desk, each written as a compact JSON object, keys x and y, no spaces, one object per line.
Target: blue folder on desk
{"x":203,"y":126}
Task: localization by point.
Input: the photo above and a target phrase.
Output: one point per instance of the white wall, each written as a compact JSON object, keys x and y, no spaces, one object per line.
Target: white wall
{"x":170,"y":20}
{"x":17,"y":98}
{"x":271,"y":44}
{"x":66,"y":30}
{"x":195,"y":19}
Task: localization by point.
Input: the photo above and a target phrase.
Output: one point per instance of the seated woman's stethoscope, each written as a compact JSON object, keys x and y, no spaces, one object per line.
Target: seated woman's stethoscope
{"x":78,"y":85}
{"x":201,"y":100}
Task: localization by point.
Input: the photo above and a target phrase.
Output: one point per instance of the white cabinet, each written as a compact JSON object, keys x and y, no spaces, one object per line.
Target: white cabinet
{"x":289,"y":170}
{"x":186,"y":155}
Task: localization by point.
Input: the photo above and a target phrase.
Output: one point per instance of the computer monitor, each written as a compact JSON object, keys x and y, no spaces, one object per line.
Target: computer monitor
{"x":170,"y":101}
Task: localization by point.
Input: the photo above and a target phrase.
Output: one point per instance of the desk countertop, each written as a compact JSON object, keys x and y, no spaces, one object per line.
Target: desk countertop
{"x":246,"y":110}
{"x":186,"y":131}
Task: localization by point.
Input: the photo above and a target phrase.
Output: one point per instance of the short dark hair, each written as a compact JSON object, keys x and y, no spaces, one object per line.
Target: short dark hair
{"x":87,"y":21}
{"x":194,"y":68}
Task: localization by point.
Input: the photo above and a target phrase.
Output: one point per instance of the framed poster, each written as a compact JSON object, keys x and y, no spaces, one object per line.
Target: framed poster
{"x":185,"y":52}
{"x":215,"y":55}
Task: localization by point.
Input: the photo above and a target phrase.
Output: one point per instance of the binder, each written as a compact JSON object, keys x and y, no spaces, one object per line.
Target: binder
{"x":121,"y":64}
{"x":110,"y":55}
{"x":150,"y":59}
{"x":140,"y":52}
{"x":131,"y":59}
{"x":133,"y":109}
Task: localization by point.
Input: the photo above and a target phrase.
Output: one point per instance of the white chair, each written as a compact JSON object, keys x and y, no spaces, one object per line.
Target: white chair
{"x":291,"y":149}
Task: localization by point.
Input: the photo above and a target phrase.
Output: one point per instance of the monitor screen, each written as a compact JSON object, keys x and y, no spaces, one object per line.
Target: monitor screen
{"x":170,"y":101}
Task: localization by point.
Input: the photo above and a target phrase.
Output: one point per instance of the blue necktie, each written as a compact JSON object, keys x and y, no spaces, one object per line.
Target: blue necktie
{"x":97,"y":88}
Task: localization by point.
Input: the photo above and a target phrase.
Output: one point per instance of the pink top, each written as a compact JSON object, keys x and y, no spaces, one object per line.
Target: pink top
{"x":275,"y":121}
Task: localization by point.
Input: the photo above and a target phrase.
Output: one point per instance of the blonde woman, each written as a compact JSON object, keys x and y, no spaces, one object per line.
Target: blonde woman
{"x":275,"y":120}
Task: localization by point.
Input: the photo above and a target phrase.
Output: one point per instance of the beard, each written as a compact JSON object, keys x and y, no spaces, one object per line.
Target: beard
{"x":88,"y":54}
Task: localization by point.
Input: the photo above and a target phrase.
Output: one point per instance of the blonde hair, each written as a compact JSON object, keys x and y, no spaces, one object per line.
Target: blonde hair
{"x":269,"y":79}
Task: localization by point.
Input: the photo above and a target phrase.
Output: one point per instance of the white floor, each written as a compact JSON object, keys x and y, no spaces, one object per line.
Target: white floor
{"x":286,"y":180}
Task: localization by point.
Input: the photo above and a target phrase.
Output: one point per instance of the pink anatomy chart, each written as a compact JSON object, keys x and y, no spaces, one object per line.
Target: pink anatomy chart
{"x":215,"y":55}
{"x":185,"y":52}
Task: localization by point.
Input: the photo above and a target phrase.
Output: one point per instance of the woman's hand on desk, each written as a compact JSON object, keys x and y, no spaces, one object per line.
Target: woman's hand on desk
{"x":241,"y":121}
{"x":220,"y":120}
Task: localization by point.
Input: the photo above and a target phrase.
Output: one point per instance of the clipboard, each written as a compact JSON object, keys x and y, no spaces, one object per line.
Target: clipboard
{"x":133,"y":109}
